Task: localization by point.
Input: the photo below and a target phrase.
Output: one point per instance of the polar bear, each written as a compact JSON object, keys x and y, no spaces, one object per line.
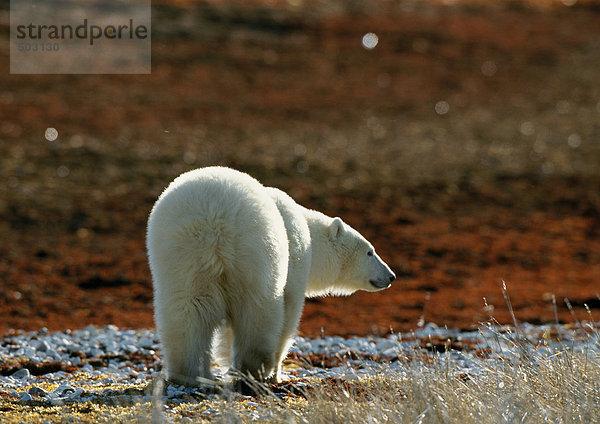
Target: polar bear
{"x":230,"y":256}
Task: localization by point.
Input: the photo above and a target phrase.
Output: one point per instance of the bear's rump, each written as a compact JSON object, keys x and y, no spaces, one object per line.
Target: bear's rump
{"x":224,"y":233}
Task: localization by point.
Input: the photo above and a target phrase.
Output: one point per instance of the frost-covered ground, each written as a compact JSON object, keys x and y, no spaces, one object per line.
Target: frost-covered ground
{"x":86,"y":371}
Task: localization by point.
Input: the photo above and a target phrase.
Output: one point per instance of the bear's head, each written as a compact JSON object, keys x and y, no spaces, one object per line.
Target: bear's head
{"x":360,"y":267}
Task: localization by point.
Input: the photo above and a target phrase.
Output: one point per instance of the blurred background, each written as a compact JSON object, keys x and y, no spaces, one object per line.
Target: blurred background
{"x":461,"y":137}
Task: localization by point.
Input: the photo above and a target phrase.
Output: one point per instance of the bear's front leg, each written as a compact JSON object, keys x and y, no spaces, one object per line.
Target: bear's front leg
{"x":294,"y":303}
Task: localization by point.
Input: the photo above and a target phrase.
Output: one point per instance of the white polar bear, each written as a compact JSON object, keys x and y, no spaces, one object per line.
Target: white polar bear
{"x":231,"y":256}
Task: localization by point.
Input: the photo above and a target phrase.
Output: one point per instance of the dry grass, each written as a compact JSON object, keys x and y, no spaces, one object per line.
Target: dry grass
{"x":558,"y":388}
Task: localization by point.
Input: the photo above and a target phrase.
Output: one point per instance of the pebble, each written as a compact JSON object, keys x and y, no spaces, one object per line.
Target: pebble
{"x":109,"y":380}
{"x":25,"y":397}
{"x":44,"y":346}
{"x":21,"y":374}
{"x":62,"y":391}
{"x":77,"y":393}
{"x":38,"y":391}
{"x":72,"y":347}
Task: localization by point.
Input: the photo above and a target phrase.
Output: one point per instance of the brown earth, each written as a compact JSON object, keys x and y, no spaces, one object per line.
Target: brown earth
{"x":465,"y":146}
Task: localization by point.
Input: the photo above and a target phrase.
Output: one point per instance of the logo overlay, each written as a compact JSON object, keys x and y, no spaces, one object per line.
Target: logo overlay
{"x":80,"y":37}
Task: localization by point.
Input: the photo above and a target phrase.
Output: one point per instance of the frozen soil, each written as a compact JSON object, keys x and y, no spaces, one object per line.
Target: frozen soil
{"x":465,"y":146}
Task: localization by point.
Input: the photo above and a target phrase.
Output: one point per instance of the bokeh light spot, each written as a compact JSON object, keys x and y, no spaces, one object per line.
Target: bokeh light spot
{"x":489,"y":68}
{"x":302,"y":166}
{"x":51,"y":134}
{"x":574,"y":141}
{"x":370,"y":40}
{"x":527,"y":128}
{"x":63,"y":171}
{"x":189,"y":157}
{"x":442,"y":107}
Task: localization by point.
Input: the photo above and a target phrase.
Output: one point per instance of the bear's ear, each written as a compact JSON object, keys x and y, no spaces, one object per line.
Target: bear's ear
{"x":336,"y":228}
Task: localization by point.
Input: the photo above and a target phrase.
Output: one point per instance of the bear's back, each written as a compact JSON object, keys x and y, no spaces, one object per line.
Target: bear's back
{"x":212,"y":193}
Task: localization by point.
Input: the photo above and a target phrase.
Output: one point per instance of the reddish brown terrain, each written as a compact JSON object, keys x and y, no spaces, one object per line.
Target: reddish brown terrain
{"x":465,"y":146}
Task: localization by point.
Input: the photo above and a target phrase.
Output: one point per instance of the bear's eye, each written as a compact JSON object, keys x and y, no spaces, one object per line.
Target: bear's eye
{"x":370,"y":253}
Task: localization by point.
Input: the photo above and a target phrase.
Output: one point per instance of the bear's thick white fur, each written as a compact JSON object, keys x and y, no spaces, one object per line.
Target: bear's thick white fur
{"x":234,"y":258}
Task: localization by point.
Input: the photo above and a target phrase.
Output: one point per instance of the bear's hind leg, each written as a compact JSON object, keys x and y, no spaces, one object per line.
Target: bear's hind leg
{"x":187,"y":340}
{"x":256,"y":337}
